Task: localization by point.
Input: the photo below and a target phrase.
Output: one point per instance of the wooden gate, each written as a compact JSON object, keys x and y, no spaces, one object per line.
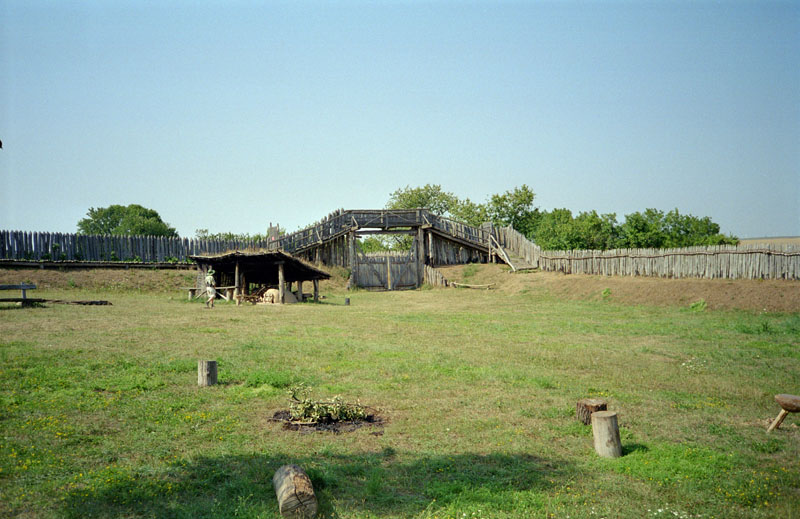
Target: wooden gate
{"x":386,"y":270}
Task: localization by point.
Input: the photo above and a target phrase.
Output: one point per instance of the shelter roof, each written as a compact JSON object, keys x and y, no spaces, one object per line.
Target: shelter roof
{"x":262,"y":266}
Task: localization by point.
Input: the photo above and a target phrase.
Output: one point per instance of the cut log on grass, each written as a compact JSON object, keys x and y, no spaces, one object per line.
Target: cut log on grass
{"x":606,"y":434}
{"x":295,"y":493}
{"x":206,"y":372}
{"x":789,"y":404}
{"x":587,"y":406}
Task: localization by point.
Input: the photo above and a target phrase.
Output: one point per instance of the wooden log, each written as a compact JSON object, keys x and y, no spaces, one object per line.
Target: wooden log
{"x":605,"y":431}
{"x":295,"y":492}
{"x":587,"y":406}
{"x":206,"y":372}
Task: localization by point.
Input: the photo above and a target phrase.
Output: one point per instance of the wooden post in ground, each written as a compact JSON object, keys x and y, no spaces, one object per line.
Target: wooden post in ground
{"x":206,"y":372}
{"x":430,"y":248}
{"x":420,"y":255}
{"x":605,"y":431}
{"x":316,"y":290}
{"x":587,"y":406}
{"x":299,"y":290}
{"x":281,"y":283}
{"x":295,"y":492}
{"x":388,"y":272}
{"x":237,"y":286}
{"x":351,"y":252}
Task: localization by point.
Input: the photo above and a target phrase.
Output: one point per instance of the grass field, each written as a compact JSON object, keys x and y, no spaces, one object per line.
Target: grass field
{"x":101,"y":415}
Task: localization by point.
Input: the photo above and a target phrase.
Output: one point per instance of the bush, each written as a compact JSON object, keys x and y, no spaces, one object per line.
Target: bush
{"x":302,"y":408}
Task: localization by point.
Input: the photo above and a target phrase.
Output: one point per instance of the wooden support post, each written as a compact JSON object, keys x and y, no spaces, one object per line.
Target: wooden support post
{"x":295,"y":492}
{"x":316,"y":290}
{"x":388,"y":272}
{"x":420,"y":255}
{"x":206,"y":372}
{"x":299,"y":290}
{"x":281,"y":283}
{"x":430,"y":248}
{"x":351,"y":252}
{"x":237,"y":287}
{"x":587,"y":406}
{"x":605,"y":431}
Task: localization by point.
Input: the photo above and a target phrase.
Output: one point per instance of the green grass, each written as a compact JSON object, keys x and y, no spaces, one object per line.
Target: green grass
{"x":101,"y":416}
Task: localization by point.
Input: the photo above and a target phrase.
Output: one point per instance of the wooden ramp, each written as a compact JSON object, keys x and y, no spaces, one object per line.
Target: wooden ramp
{"x":518,"y":263}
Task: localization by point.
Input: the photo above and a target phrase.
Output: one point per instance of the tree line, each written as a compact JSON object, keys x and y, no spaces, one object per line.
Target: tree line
{"x":559,"y":229}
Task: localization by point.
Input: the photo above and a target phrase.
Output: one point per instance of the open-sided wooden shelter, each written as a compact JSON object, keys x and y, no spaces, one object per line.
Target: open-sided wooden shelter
{"x":237,"y":271}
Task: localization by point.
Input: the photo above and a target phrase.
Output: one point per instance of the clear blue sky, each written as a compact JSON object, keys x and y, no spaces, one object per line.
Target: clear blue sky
{"x":229,"y":115}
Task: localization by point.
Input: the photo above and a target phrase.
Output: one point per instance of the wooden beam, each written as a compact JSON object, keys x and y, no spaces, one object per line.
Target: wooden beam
{"x":281,"y":284}
{"x":236,"y":283}
{"x":364,"y":232}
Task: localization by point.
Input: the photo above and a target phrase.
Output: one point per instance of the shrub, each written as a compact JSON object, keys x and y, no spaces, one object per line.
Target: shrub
{"x":304,"y":409}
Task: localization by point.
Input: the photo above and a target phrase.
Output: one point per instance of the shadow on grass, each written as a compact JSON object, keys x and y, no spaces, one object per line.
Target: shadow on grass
{"x":377,"y":484}
{"x":629,"y":448}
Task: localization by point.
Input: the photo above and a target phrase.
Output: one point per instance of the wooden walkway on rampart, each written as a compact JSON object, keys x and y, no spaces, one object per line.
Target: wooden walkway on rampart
{"x":382,"y":221}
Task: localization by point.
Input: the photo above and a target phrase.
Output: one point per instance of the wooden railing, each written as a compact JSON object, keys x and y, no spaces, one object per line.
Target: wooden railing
{"x":340,"y":222}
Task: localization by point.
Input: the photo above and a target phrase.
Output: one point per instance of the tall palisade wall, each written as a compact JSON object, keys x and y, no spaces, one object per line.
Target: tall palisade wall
{"x":21,"y":245}
{"x":723,"y":261}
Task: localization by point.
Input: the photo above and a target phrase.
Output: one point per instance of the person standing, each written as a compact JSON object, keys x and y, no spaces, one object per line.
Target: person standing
{"x":211,"y":288}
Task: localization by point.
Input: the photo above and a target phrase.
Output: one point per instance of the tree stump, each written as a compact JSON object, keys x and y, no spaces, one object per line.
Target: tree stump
{"x":606,"y":434}
{"x":206,"y":372}
{"x":587,"y":406}
{"x":789,"y":404}
{"x":295,"y":493}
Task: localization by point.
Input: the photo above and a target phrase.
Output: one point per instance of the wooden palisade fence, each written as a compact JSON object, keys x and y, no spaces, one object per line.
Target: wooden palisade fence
{"x":723,"y":261}
{"x":440,"y":241}
{"x":21,"y":245}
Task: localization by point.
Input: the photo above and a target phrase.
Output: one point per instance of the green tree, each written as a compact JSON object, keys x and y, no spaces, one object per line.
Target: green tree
{"x":469,"y":212}
{"x":597,"y":232}
{"x":430,"y":197}
{"x":127,"y":220}
{"x":654,"y":229}
{"x":556,"y":230}
{"x":688,"y":231}
{"x":374,"y":244}
{"x":514,"y":208}
{"x":644,"y":230}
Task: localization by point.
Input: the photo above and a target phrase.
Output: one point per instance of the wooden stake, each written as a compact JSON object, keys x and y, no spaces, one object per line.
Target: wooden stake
{"x":295,"y":493}
{"x":606,"y":434}
{"x":779,"y":420}
{"x":206,"y":372}
{"x":789,"y":404}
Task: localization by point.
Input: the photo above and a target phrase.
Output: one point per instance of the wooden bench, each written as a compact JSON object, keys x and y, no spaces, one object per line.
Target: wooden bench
{"x":24,"y":300}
